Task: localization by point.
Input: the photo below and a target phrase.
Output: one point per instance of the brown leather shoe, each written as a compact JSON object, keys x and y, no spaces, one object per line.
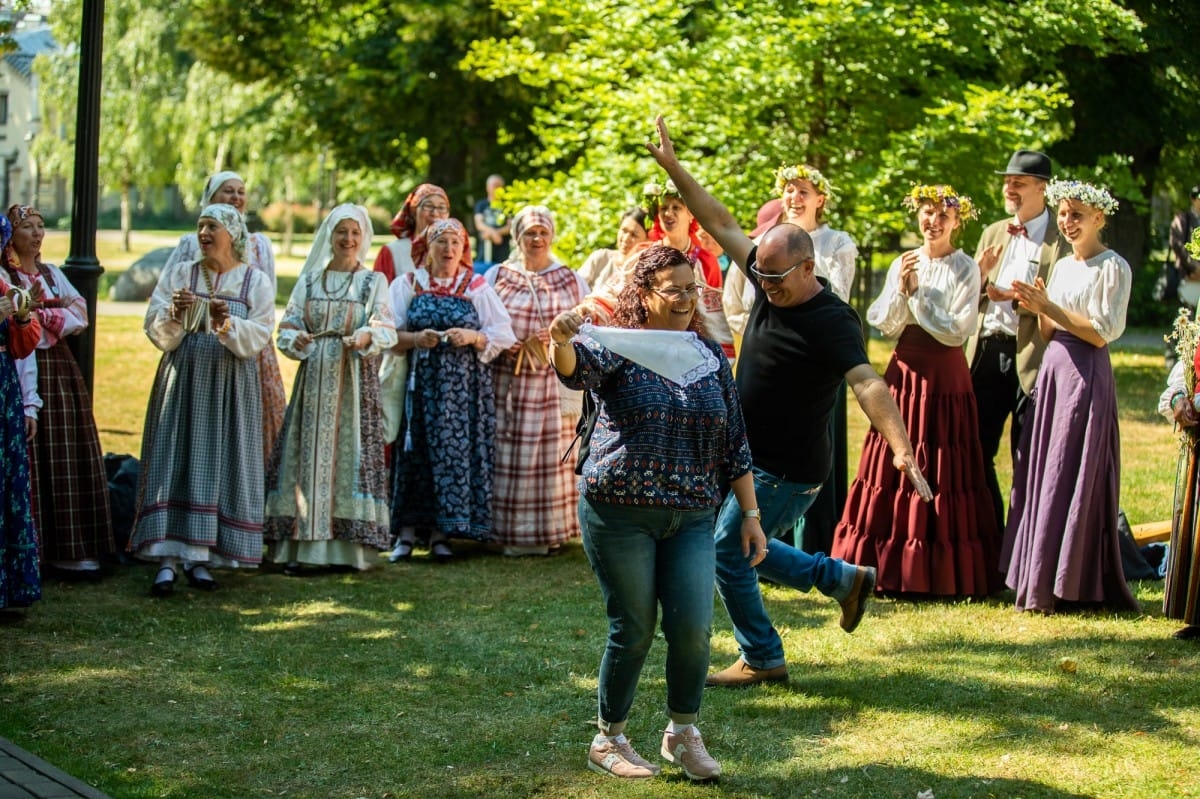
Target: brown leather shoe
{"x":741,"y":674}
{"x":855,"y":605}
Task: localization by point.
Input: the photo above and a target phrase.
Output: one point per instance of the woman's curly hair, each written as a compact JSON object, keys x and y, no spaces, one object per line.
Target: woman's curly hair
{"x":630,"y":311}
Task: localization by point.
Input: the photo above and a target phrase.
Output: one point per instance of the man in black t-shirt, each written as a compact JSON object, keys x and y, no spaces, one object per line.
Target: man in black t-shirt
{"x":800,"y":342}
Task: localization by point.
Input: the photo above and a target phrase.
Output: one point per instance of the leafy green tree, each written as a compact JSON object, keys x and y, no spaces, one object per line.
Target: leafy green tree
{"x":141,"y":110}
{"x":380,"y":82}
{"x":877,"y":95}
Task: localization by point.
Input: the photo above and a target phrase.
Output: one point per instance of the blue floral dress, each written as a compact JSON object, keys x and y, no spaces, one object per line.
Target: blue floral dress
{"x":443,"y":472}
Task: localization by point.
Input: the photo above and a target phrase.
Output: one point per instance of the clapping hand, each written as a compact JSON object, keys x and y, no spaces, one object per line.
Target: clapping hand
{"x":908,"y":272}
{"x":1032,"y":296}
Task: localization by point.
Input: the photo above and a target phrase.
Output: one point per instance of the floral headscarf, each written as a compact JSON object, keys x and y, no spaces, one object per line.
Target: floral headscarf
{"x":444,"y":227}
{"x":229,"y":218}
{"x":215,"y":182}
{"x":322,"y":249}
{"x":405,"y":222}
{"x":16,"y":215}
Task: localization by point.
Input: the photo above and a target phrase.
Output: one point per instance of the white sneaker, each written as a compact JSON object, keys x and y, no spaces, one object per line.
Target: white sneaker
{"x":619,"y":760}
{"x":686,"y":750}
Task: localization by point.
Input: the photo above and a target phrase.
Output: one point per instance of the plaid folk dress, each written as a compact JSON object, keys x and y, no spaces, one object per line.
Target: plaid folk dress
{"x":535,"y":493}
{"x":201,"y":492}
{"x":70,"y":489}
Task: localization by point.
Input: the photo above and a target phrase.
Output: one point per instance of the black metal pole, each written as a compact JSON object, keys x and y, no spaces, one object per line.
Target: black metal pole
{"x":82,"y":267}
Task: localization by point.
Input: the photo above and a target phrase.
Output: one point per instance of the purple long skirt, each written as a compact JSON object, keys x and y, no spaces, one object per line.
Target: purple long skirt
{"x":1061,"y":542}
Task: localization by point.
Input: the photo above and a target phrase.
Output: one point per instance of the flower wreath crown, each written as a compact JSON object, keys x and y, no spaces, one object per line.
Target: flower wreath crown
{"x":654,"y":194}
{"x":943,"y":195}
{"x":789,"y":172}
{"x":1086,"y":193}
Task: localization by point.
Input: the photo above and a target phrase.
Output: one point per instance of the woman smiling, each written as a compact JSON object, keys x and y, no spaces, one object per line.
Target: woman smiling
{"x":947,"y":547}
{"x":1061,"y":546}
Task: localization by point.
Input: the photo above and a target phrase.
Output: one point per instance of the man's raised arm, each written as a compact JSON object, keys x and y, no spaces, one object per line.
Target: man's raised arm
{"x":712,"y":216}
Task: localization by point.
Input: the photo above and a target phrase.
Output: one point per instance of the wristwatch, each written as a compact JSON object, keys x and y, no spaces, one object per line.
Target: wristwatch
{"x":753,"y":513}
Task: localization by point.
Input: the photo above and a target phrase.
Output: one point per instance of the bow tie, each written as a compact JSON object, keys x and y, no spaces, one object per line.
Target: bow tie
{"x":1016,"y":230}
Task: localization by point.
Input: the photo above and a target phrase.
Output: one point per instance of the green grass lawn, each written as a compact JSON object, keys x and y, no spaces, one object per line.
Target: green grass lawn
{"x":478,"y":679}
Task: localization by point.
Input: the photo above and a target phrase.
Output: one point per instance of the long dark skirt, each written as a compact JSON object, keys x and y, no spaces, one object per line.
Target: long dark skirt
{"x":70,"y":488}
{"x":947,"y":547}
{"x":1061,"y":543}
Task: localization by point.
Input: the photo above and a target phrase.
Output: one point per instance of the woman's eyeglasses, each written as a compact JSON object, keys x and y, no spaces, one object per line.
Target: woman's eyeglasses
{"x":435,"y":209}
{"x":676,"y":294}
{"x":777,"y":277}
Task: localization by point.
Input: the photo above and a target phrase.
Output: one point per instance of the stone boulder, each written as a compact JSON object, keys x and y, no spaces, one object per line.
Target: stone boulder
{"x":136,"y":283}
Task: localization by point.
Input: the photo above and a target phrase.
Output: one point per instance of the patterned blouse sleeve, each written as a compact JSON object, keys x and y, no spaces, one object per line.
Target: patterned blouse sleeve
{"x":738,"y":460}
{"x":71,"y":315}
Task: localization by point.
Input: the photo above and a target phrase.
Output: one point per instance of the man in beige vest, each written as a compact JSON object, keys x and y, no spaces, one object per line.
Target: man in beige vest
{"x":1006,"y":350}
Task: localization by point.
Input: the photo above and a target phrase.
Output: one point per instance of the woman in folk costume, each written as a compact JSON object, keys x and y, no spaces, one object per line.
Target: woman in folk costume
{"x":228,"y":188}
{"x":455,"y":326}
{"x":327,"y":499}
{"x":1181,"y":596}
{"x":425,"y":205}
{"x":200,"y":497}
{"x":929,"y":303}
{"x":535,"y":493}
{"x":1061,"y":545}
{"x":70,"y":488}
{"x":674,"y":224}
{"x":20,"y":331}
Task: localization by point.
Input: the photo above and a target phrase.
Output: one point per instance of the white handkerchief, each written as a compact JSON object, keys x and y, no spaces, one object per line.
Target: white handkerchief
{"x":678,"y":356}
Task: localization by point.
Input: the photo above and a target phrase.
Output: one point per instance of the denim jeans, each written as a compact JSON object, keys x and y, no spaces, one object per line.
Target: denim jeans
{"x":643,"y":557}
{"x":782,"y":504}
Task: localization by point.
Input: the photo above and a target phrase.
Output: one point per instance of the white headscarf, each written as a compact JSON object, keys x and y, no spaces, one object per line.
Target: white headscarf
{"x":232,"y":221}
{"x":215,"y":182}
{"x":322,"y":248}
{"x":527,"y":217}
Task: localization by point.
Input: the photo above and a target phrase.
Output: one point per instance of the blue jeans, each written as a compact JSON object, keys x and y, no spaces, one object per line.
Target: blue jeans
{"x":643,"y":557}
{"x":782,"y":504}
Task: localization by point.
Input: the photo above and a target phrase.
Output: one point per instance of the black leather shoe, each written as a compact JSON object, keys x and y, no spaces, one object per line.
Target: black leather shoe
{"x":164,"y":583}
{"x":201,"y":582}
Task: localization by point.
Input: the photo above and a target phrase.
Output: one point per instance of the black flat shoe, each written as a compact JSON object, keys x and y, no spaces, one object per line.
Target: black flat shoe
{"x":442,"y":552}
{"x":202,"y":582}
{"x":164,"y":583}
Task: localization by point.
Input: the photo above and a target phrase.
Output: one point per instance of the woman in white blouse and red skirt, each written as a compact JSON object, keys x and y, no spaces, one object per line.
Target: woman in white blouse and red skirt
{"x":947,"y":547}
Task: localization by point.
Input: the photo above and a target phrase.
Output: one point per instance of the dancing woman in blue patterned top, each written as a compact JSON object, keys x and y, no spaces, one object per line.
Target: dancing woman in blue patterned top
{"x":662,"y":457}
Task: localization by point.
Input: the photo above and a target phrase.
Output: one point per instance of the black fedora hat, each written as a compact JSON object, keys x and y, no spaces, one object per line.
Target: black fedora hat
{"x":1028,"y":162}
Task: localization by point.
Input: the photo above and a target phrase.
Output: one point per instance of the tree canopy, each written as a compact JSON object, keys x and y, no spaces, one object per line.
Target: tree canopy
{"x":561,"y":96}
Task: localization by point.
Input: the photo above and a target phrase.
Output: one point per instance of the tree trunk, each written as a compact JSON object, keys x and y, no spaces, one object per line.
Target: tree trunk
{"x":289,"y":218}
{"x":126,"y":215}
